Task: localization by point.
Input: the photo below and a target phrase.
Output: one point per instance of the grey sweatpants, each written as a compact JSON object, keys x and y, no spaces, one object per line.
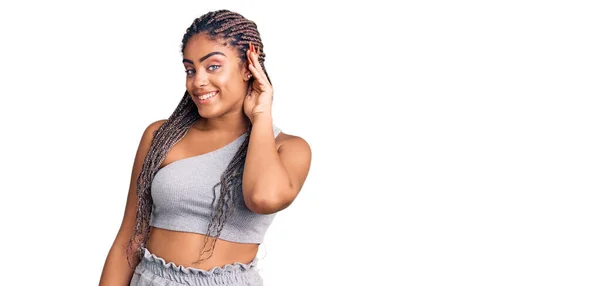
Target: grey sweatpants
{"x":153,"y":270}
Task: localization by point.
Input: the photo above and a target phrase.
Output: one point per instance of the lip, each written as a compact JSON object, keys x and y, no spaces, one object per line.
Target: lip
{"x":204,"y":101}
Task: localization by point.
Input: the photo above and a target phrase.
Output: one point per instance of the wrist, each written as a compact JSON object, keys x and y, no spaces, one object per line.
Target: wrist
{"x":262,"y":116}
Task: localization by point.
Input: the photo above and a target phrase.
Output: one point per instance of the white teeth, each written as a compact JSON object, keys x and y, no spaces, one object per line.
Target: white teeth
{"x":207,"y":96}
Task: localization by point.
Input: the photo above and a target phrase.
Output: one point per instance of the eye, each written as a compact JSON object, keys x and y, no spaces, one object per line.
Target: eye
{"x":189,"y":72}
{"x":213,"y":67}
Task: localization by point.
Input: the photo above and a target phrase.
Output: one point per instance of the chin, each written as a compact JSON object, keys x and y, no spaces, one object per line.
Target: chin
{"x":209,"y":114}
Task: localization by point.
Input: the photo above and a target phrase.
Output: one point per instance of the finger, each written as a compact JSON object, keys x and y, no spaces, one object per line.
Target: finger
{"x":251,"y":49}
{"x":252,"y":54}
{"x":252,"y":63}
{"x":256,"y":61}
{"x":259,"y":72}
{"x":258,"y":77}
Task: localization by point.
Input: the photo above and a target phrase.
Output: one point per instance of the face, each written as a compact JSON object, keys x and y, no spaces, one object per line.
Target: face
{"x":215,"y":78}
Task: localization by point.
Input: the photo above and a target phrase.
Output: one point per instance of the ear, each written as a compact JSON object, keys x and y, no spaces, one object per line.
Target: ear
{"x":246,"y":74}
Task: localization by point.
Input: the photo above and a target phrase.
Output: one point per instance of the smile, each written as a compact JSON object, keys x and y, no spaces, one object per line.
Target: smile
{"x":206,"y":96}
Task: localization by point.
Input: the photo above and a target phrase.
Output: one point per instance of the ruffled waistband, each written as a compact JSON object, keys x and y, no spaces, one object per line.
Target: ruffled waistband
{"x":162,"y":266}
{"x":156,"y":271}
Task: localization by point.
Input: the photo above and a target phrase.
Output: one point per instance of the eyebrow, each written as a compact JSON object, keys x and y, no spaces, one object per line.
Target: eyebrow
{"x":205,"y":57}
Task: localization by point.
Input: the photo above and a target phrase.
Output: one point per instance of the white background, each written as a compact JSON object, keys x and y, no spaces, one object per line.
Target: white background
{"x":454,"y":142}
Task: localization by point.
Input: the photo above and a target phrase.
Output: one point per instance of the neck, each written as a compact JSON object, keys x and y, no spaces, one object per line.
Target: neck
{"x":232,"y":121}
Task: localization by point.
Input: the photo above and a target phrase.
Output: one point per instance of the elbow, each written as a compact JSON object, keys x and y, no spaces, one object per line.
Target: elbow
{"x":267,"y":204}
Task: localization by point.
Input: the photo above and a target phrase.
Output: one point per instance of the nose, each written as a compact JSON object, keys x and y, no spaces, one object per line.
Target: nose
{"x":201,"y":79}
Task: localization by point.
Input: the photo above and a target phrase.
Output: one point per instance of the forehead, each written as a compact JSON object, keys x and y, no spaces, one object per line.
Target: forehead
{"x":200,"y":45}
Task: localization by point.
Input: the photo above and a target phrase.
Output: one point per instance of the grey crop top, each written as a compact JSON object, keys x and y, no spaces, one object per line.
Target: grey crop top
{"x":182,"y":193}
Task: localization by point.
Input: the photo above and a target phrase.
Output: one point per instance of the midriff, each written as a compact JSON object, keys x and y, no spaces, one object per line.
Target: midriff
{"x":183,"y":248}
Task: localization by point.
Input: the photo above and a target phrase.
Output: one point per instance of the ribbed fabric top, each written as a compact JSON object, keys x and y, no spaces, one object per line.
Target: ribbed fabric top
{"x":182,"y":193}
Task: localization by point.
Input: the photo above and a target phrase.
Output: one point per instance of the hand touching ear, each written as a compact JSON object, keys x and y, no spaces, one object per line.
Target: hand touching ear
{"x":260,"y":99}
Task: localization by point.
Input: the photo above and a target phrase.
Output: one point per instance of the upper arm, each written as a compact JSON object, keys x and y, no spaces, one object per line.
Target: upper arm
{"x":128,"y":222}
{"x":296,"y":155}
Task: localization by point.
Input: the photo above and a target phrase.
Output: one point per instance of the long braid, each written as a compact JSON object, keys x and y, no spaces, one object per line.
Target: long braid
{"x":239,"y":32}
{"x":163,"y":140}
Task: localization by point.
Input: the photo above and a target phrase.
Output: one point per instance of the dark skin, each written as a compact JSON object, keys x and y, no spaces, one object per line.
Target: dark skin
{"x":275,"y":168}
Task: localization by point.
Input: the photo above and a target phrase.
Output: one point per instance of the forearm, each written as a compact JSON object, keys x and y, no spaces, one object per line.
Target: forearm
{"x":266,"y":183}
{"x":116,"y":269}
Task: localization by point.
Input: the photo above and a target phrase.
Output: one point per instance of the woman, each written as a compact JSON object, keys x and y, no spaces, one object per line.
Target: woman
{"x":207,"y":181}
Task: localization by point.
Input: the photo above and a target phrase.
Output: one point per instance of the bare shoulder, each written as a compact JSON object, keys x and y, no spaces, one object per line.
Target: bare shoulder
{"x":291,"y":142}
{"x":152,"y":127}
{"x":146,"y":141}
{"x":296,"y":156}
{"x":128,"y":223}
{"x":148,"y":136}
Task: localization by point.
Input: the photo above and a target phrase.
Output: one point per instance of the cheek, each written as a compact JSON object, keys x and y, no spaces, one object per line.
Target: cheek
{"x":230,"y":82}
{"x":189,"y":84}
{"x":221,"y":79}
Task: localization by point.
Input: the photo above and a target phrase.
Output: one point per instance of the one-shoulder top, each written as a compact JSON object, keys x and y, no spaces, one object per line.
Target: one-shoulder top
{"x":182,"y":194}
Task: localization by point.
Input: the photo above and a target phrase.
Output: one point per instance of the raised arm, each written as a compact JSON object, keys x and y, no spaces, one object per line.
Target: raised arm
{"x":275,"y":168}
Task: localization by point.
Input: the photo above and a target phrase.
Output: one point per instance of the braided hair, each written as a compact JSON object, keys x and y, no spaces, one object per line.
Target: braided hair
{"x":239,"y":32}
